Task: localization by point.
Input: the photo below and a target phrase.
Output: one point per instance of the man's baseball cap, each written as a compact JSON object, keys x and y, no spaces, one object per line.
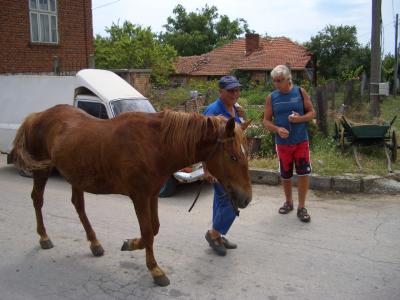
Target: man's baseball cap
{"x":228,"y":83}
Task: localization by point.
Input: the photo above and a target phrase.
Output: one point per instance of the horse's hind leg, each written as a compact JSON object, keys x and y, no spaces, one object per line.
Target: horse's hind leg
{"x":143,"y":212}
{"x":79,"y":202}
{"x":39,"y":182}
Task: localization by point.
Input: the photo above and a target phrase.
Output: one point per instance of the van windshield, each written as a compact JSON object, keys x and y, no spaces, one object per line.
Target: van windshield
{"x":135,"y":105}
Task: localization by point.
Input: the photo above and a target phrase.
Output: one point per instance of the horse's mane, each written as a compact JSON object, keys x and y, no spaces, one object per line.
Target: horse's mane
{"x":183,"y":131}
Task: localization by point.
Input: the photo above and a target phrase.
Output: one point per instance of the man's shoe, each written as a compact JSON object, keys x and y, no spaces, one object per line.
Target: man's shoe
{"x":216,"y":244}
{"x":228,"y":244}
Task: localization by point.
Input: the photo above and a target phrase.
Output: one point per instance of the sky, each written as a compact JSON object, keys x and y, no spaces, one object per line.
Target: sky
{"x":298,"y":20}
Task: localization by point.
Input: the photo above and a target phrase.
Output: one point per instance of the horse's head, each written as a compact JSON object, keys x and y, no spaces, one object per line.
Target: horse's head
{"x":229,"y":162}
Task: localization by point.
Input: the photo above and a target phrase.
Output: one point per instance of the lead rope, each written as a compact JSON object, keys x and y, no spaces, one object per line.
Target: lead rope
{"x":202,"y":183}
{"x":197,"y":196}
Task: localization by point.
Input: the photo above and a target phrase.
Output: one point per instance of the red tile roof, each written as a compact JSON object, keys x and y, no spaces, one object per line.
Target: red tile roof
{"x":222,"y":60}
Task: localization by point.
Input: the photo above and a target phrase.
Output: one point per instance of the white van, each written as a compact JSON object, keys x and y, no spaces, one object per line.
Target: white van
{"x":100,"y":93}
{"x":105,"y":95}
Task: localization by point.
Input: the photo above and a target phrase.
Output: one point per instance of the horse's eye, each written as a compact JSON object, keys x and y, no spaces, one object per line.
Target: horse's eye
{"x":234,"y":158}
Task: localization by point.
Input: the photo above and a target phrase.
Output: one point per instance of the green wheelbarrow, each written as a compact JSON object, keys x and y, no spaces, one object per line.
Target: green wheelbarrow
{"x":359,"y":135}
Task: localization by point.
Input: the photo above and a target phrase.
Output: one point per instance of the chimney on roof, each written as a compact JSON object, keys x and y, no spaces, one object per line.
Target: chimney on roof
{"x":252,"y":42}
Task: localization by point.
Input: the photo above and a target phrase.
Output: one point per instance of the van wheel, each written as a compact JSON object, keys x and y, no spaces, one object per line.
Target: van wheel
{"x":168,"y":189}
{"x":24,"y":173}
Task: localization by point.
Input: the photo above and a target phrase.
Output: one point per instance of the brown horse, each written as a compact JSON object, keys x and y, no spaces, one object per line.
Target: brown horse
{"x":132,"y":155}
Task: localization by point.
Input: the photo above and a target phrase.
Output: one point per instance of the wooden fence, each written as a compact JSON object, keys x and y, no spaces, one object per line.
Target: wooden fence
{"x":354,"y":91}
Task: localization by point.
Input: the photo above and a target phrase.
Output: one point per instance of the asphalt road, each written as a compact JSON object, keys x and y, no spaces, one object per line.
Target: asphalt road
{"x":350,"y":250}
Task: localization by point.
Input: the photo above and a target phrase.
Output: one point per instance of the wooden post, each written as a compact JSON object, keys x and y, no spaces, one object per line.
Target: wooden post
{"x":348,"y":93}
{"x":363,"y":85}
{"x":375,"y":110}
{"x":322,"y":109}
{"x":396,"y":57}
{"x":331,"y":92}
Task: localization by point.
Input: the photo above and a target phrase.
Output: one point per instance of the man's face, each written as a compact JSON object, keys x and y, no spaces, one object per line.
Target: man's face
{"x":230,"y":96}
{"x":281,"y":83}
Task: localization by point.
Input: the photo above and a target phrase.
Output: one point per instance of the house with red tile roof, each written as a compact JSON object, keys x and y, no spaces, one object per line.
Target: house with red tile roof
{"x":252,"y":54}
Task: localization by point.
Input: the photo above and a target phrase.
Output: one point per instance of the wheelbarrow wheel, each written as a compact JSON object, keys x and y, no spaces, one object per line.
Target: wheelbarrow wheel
{"x":394,"y":146}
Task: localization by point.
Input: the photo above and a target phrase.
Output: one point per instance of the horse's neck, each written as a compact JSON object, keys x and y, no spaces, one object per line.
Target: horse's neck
{"x":207,"y":147}
{"x":193,"y":146}
{"x":204,"y":148}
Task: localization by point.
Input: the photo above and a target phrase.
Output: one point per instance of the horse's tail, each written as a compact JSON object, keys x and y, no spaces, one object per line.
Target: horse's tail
{"x":20,"y":154}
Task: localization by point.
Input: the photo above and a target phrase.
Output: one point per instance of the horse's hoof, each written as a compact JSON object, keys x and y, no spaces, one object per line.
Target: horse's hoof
{"x":125,"y":246}
{"x":161,"y":280}
{"x":46,"y":244}
{"x":97,"y":250}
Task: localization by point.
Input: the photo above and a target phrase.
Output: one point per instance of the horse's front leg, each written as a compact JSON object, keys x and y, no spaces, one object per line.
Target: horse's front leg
{"x":137,"y":243}
{"x":144,"y":213}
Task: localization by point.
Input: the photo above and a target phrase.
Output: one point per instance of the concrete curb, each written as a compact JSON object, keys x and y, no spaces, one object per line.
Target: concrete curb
{"x":348,"y":183}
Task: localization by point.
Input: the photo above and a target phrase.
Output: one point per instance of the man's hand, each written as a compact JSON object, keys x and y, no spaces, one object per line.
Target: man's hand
{"x":295,"y":117}
{"x":241,"y":112}
{"x":209,"y":177}
{"x":283,"y":132}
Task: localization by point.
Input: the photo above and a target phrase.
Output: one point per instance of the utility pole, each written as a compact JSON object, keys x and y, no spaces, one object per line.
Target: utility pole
{"x":396,"y":57}
{"x":375,"y":58}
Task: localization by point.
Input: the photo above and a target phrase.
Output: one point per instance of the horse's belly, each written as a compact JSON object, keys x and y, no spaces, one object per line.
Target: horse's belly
{"x":90,"y":180}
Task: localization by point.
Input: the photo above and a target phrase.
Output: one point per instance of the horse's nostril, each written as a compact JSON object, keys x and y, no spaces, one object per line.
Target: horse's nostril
{"x":246,"y":202}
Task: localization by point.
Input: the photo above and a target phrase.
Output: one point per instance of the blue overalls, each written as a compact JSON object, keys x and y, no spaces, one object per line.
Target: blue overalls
{"x":223,"y":212}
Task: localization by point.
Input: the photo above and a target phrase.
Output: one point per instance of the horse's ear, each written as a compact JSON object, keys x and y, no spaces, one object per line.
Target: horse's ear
{"x":230,"y":127}
{"x":246,"y":124}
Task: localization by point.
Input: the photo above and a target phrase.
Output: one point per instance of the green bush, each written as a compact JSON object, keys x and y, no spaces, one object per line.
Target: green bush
{"x":255,"y":96}
{"x":171,"y":98}
{"x":254,"y":113}
{"x":267,"y":144}
{"x":255,"y":129}
{"x":209,"y":89}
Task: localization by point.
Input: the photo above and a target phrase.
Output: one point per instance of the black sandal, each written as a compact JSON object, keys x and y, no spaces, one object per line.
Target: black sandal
{"x":303,"y":215}
{"x":286,"y":208}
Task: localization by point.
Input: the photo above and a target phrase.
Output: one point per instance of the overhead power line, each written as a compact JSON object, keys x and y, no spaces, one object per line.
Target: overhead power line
{"x":106,"y":4}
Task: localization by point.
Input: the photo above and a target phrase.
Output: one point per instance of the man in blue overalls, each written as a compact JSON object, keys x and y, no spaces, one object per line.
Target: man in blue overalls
{"x":223,"y":212}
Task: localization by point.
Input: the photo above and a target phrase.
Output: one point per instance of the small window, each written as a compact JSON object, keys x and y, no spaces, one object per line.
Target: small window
{"x":94,"y":109}
{"x":43,"y":21}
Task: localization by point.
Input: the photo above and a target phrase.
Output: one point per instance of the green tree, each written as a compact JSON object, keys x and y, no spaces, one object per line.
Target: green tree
{"x":338,"y":51}
{"x":388,"y":67}
{"x":131,"y":46}
{"x":199,"y":32}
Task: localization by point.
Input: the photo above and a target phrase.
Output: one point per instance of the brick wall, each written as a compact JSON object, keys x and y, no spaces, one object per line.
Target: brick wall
{"x":141,"y":82}
{"x":75,"y":38}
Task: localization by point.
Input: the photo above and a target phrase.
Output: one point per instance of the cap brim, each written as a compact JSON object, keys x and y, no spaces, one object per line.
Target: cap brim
{"x":232,"y":86}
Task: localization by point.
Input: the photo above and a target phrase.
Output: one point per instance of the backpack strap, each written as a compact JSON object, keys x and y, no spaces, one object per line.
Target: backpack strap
{"x":302,"y":99}
{"x":301,"y":94}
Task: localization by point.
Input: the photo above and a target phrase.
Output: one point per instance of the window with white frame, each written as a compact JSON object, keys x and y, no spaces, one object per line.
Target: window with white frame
{"x":43,"y":20}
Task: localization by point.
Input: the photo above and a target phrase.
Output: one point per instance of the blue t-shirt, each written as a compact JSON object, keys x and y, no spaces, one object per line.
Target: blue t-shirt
{"x":283,"y":104}
{"x":218,"y":108}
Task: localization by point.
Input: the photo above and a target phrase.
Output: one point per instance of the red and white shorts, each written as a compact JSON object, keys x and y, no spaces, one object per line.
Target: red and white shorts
{"x":297,"y":155}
